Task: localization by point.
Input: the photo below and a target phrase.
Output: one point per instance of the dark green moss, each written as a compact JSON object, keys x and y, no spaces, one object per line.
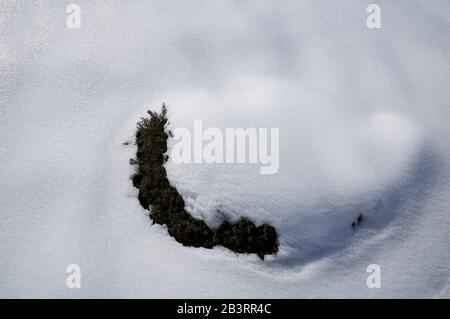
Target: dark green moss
{"x":167,"y":206}
{"x":245,"y":237}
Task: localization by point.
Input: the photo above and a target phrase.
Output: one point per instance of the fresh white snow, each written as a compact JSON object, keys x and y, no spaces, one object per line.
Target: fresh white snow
{"x":364,"y":128}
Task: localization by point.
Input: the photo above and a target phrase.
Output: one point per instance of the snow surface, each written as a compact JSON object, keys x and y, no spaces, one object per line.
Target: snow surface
{"x":364,"y":128}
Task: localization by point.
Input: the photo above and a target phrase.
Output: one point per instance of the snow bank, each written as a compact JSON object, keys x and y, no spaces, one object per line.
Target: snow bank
{"x":363,"y":117}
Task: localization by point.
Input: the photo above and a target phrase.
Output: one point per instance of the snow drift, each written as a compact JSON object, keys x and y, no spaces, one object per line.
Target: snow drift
{"x":363,"y":117}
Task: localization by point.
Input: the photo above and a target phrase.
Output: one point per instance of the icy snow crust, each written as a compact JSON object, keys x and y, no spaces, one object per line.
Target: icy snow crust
{"x":363,"y":117}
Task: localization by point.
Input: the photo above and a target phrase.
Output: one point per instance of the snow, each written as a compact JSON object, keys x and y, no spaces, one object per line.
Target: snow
{"x":363,"y":117}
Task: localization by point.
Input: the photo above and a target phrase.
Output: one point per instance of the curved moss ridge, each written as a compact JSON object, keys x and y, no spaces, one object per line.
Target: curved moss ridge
{"x":167,"y":206}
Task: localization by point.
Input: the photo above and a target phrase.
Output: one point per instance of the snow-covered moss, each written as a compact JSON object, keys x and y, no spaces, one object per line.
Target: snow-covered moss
{"x":167,"y":206}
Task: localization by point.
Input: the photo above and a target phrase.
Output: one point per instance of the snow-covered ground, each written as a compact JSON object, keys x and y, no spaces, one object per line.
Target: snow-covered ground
{"x":364,"y":128}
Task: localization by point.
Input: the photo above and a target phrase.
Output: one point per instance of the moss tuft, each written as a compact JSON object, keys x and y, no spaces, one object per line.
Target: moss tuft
{"x":167,"y":206}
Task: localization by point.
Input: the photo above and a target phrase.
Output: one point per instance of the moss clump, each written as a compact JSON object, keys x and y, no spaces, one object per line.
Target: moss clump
{"x":245,"y":237}
{"x":167,"y":206}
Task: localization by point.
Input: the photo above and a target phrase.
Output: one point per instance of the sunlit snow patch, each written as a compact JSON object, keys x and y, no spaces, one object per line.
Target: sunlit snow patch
{"x":334,"y":159}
